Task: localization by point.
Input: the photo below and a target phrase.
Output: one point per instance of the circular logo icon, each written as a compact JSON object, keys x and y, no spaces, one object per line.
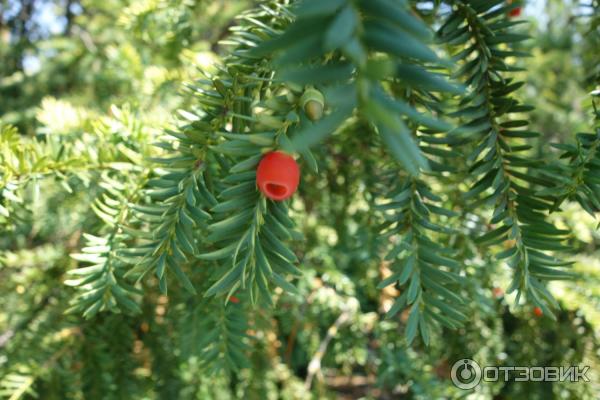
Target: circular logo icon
{"x":465,"y":374}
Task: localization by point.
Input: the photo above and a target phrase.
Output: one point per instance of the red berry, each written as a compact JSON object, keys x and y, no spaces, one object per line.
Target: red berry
{"x":538,"y":312}
{"x":515,"y":12}
{"x":278,"y":175}
{"x":497,"y":292}
{"x":234,"y":299}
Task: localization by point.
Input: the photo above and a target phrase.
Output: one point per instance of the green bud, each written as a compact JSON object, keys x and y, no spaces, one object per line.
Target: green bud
{"x":313,"y":103}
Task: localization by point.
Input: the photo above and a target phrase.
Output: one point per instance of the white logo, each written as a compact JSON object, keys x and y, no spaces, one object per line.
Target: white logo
{"x":466,"y":374}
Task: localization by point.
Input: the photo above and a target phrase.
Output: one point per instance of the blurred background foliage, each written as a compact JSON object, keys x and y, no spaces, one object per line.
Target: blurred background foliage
{"x":97,"y":81}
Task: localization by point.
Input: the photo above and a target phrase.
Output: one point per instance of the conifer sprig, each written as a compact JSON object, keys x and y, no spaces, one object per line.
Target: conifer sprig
{"x":508,"y":177}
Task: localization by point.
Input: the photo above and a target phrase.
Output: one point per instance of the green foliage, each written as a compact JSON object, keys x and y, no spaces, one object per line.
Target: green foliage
{"x":576,"y":179}
{"x":353,"y":52}
{"x":425,"y":269}
{"x":506,"y":178}
{"x":428,"y":183}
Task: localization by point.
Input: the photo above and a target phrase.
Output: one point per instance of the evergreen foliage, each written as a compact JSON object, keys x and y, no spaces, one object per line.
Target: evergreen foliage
{"x":426,"y":181}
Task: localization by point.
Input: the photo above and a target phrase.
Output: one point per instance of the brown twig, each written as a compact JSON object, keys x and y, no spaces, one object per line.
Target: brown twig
{"x":315,"y":363}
